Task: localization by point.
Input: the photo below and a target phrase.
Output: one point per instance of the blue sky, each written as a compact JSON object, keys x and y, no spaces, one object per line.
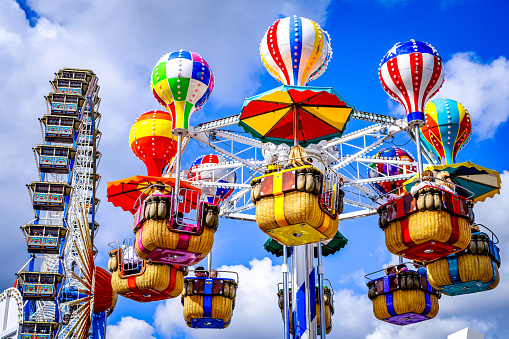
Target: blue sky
{"x":121,"y":41}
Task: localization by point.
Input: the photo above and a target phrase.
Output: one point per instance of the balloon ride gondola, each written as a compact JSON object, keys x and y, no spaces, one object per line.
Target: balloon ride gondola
{"x":184,"y":238}
{"x":432,"y":224}
{"x":141,"y":280}
{"x":298,"y":205}
{"x":472,"y":270}
{"x":208,"y":301}
{"x":403,"y":298}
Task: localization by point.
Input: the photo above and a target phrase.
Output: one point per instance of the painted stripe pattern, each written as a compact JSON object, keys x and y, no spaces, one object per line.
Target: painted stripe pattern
{"x":411,"y":73}
{"x":151,"y":140}
{"x":295,"y":50}
{"x":303,"y":292}
{"x":447,"y":129}
{"x":182,"y":82}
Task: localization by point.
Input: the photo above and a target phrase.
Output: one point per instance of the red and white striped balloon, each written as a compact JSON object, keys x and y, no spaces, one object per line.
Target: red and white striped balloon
{"x":295,"y":50}
{"x":411,"y":73}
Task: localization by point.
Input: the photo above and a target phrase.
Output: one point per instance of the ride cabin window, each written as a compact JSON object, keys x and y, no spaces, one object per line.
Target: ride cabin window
{"x":28,"y":328}
{"x":51,"y":232}
{"x":36,"y":231}
{"x":47,"y":279}
{"x":32,"y":278}
{"x":56,"y":189}
{"x":62,"y":83}
{"x":42,"y":188}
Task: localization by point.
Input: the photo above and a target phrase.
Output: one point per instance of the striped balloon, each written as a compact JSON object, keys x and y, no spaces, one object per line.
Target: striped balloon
{"x":182,"y":82}
{"x":411,"y":73}
{"x":202,"y":172}
{"x":152,"y":141}
{"x":295,"y":50}
{"x":447,"y":129}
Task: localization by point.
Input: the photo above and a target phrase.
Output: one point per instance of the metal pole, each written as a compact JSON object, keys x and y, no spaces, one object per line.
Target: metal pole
{"x":323,"y":328}
{"x":303,"y":293}
{"x":295,"y":127}
{"x":419,"y":152}
{"x":209,"y":259}
{"x":286,"y":300}
{"x":177,"y":173}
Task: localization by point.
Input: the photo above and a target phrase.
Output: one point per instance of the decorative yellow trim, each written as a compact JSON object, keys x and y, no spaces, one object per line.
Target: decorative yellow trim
{"x":294,"y":235}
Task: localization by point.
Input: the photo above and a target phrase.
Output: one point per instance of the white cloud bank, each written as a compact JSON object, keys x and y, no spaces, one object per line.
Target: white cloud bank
{"x":130,"y":328}
{"x":483,"y":88}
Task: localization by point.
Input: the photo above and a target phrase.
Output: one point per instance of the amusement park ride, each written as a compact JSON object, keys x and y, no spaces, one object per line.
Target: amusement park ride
{"x":300,"y":172}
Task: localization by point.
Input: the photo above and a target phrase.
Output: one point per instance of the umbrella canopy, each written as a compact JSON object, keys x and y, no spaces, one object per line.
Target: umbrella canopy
{"x":125,"y":192}
{"x":482,"y":182}
{"x":328,"y":247}
{"x":310,"y":114}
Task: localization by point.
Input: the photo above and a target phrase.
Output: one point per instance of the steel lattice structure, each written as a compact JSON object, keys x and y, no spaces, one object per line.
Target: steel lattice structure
{"x":64,"y":197}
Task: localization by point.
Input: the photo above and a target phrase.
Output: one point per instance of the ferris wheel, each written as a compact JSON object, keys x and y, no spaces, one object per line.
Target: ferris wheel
{"x":58,"y":283}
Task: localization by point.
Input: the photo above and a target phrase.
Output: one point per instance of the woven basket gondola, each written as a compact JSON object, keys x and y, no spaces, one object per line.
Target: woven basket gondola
{"x":287,"y":212}
{"x":431,"y":225}
{"x":221,"y":308}
{"x":155,"y":234}
{"x":473,"y":270}
{"x":403,"y":298}
{"x":426,"y":226}
{"x":157,"y":278}
{"x":408,"y":301}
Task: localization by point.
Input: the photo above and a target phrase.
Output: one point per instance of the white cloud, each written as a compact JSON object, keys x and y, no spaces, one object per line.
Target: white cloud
{"x":130,"y":328}
{"x":483,"y":88}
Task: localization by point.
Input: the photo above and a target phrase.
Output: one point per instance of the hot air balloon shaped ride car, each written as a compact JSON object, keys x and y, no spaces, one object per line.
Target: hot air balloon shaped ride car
{"x":402,"y":298}
{"x":431,"y":224}
{"x":298,"y":204}
{"x":473,"y":270}
{"x":141,"y":280}
{"x":209,"y":301}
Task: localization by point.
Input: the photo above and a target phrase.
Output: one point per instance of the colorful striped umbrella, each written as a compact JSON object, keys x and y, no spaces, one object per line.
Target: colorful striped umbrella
{"x":286,"y":113}
{"x":482,"y":182}
{"x":128,"y":193}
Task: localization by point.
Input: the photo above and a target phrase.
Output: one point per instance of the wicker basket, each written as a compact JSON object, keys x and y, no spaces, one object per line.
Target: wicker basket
{"x":299,"y":207}
{"x":471,"y":267}
{"x":156,"y":277}
{"x":405,"y":301}
{"x":221,"y":308}
{"x":427,"y":226}
{"x":155,"y":234}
